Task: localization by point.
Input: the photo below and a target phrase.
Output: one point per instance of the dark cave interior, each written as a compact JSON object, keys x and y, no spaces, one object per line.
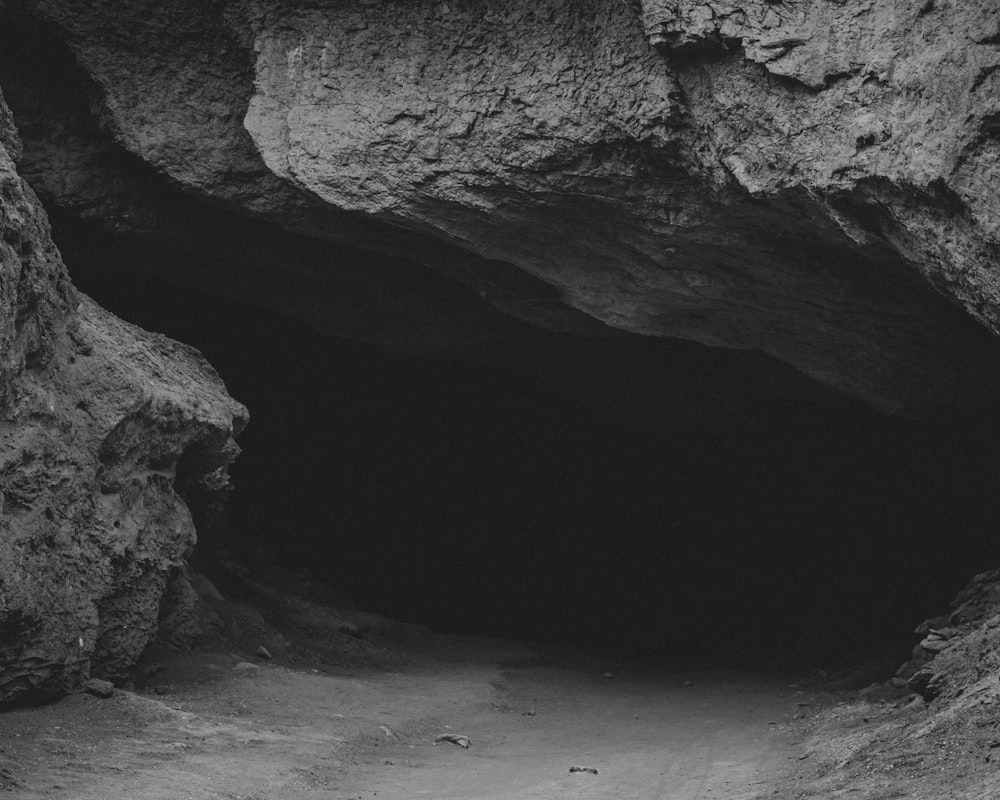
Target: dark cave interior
{"x":474,"y":497}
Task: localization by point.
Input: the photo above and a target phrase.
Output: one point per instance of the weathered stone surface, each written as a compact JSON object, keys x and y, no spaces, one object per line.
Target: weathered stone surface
{"x":103,"y":428}
{"x":887,"y":110}
{"x":789,"y":178}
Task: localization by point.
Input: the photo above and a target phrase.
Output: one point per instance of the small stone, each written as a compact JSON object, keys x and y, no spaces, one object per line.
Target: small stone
{"x":246,"y":666}
{"x":162,"y":688}
{"x":454,"y":738}
{"x":927,"y":683}
{"x":934,"y":644}
{"x":591,"y":770}
{"x":263,"y":652}
{"x":99,"y":688}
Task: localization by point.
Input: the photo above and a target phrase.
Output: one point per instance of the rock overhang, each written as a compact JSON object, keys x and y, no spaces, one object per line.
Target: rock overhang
{"x":551,"y":161}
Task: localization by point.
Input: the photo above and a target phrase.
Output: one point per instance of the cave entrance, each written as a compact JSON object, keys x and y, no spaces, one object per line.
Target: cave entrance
{"x":477,"y":499}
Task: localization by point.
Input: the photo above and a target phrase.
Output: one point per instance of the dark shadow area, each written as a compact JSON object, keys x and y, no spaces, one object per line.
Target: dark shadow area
{"x":475,"y":497}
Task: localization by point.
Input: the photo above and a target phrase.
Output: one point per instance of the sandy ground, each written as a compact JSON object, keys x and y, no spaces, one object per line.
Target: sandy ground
{"x":229,"y":725}
{"x":351,"y":706}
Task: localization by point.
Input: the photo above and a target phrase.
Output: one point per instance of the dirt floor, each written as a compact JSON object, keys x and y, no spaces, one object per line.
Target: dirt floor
{"x":350,"y":706}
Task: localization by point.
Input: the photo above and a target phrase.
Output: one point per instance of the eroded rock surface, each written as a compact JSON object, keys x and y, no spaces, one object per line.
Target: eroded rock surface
{"x":887,"y":109}
{"x":789,"y":177}
{"x":95,"y":417}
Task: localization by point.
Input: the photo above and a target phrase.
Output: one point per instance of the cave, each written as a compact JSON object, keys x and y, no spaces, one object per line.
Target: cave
{"x":671,"y":503}
{"x":481,"y":399}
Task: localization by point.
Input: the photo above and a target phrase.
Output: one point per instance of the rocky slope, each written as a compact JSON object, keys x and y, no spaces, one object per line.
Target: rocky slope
{"x":104,"y":431}
{"x":959,"y":650}
{"x":889,"y":743}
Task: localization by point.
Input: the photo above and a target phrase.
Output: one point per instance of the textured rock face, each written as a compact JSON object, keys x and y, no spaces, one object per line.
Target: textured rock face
{"x":888,"y":109}
{"x":104,"y":428}
{"x":786,"y":177}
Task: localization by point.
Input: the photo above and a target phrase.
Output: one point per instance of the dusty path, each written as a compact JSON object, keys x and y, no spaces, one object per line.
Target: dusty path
{"x":647,"y":737}
{"x":267,"y":732}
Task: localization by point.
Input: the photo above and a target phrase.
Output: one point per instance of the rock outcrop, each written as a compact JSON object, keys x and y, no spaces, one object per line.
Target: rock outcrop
{"x":813,"y":180}
{"x":104,"y":430}
{"x":960,"y":649}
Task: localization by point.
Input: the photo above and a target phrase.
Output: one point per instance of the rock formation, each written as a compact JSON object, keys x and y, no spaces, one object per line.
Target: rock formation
{"x":105,"y":428}
{"x":815,"y":180}
{"x":960,"y":648}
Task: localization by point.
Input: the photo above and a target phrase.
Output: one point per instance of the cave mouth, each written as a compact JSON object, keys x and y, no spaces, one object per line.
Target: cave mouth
{"x":475,"y":499}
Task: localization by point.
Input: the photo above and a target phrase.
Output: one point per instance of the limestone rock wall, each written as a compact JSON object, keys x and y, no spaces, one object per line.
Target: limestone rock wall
{"x":95,"y":416}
